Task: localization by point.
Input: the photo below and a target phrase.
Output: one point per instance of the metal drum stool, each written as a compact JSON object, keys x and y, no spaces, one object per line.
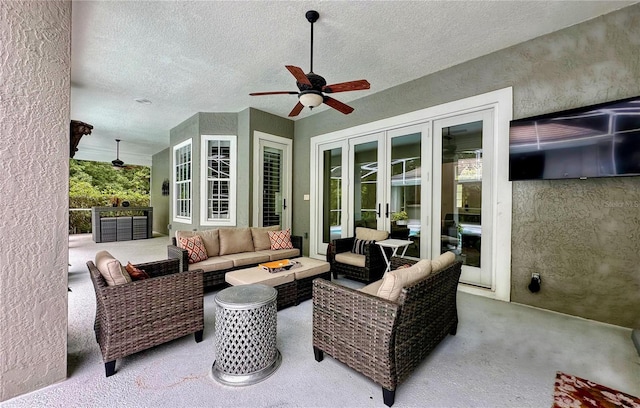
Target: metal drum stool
{"x":245,"y":339}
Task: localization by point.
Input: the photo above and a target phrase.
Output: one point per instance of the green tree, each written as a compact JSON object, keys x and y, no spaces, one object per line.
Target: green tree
{"x":94,"y":184}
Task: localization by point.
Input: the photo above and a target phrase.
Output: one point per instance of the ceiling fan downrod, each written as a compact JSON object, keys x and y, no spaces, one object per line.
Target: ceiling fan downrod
{"x":312,"y":16}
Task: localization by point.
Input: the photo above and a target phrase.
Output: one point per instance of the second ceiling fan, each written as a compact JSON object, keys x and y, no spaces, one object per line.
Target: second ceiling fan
{"x":312,"y":87}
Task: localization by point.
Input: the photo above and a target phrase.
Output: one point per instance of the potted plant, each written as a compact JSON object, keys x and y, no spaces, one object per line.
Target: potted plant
{"x":400,"y":217}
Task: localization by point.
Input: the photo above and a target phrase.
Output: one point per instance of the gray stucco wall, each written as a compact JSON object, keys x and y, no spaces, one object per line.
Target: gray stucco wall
{"x":35,"y":39}
{"x":584,"y":248}
{"x":160,"y":171}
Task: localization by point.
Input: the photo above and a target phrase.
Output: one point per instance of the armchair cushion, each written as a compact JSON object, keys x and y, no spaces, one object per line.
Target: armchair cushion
{"x":195,"y":248}
{"x":443,"y":261}
{"x":358,"y":245}
{"x":280,"y":239}
{"x":394,"y":281}
{"x":352,"y":259}
{"x":371,"y":234}
{"x":111,"y":269}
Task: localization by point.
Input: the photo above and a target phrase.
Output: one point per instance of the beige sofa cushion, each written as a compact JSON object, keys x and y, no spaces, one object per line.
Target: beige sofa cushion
{"x":310,"y":267}
{"x":352,"y":259}
{"x":394,"y":281}
{"x":278,"y":254}
{"x":212,"y":264}
{"x":368,"y":234}
{"x":261,"y":237}
{"x":235,"y":240}
{"x":443,"y":261}
{"x":258,"y":275}
{"x":246,"y":258}
{"x":210,"y":240}
{"x":111,"y":269}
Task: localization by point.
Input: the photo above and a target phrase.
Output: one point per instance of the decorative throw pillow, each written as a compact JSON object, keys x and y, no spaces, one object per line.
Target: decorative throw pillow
{"x":195,"y":248}
{"x":135,"y":273}
{"x":359,"y":244}
{"x":280,"y":239}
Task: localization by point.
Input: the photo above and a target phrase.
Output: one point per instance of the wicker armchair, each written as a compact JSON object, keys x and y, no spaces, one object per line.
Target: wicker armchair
{"x":373,"y":268}
{"x":136,"y":316}
{"x":381,"y":339}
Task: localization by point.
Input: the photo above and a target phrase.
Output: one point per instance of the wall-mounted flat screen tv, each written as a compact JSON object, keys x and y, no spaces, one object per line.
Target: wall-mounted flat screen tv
{"x":595,"y":141}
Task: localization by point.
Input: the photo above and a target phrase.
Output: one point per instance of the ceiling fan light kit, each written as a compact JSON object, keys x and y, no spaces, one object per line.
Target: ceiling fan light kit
{"x":312,"y":87}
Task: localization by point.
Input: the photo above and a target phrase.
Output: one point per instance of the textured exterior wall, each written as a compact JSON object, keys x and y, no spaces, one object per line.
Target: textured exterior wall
{"x":585,"y":273}
{"x":160,"y":171}
{"x":34,"y":162}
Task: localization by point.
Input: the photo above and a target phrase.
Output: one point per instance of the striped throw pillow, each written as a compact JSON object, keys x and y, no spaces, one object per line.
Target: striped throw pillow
{"x":359,"y":244}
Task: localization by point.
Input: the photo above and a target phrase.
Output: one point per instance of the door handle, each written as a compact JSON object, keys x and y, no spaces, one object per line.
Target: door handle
{"x":284,"y":204}
{"x":387,"y":213}
{"x":378,"y":210}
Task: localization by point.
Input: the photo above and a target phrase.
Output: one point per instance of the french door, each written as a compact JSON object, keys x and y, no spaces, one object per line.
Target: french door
{"x":437,"y":177}
{"x":386,"y":192}
{"x":272,"y":178}
{"x":462,"y":193}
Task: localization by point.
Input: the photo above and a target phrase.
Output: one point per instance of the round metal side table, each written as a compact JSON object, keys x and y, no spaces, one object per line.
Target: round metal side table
{"x":245,"y":338}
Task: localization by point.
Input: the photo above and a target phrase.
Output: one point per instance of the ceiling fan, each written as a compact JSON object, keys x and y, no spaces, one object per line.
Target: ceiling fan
{"x":117,"y":163}
{"x":312,"y":87}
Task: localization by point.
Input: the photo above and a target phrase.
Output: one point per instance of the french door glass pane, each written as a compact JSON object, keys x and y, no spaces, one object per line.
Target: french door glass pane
{"x":404,"y":202}
{"x":272,"y":186}
{"x":332,"y":195}
{"x":365,"y":181}
{"x":461,"y":212}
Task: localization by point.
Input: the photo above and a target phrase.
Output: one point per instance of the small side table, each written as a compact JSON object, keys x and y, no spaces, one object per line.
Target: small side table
{"x":395,"y":244}
{"x":245,"y":338}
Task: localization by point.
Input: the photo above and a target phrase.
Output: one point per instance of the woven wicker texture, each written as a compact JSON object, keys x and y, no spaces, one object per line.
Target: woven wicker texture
{"x":374,"y":265}
{"x":215,"y":279}
{"x":142,"y":314}
{"x":381,"y":339}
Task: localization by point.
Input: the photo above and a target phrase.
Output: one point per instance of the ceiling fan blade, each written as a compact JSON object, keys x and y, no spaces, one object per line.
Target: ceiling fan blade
{"x":299,"y":74}
{"x":337,"y":105}
{"x":358,"y":85}
{"x":296,"y":110}
{"x":274,"y":93}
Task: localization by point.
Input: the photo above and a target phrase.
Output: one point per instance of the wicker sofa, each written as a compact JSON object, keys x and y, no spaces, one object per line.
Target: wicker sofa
{"x":135,"y":316}
{"x":383,"y":339}
{"x":230,"y":249}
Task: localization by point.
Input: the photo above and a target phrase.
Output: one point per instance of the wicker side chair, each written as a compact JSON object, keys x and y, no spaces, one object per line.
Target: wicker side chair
{"x":385,"y":340}
{"x":373,"y":268}
{"x":136,"y":316}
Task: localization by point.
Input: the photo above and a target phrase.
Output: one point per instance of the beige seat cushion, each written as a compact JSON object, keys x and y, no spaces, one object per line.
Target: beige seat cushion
{"x":278,"y":254}
{"x":261,"y":237}
{"x":246,"y":258}
{"x":372,"y":288}
{"x":394,"y":281}
{"x":210,"y":239}
{"x":310,"y":267}
{"x":368,"y":234}
{"x":443,"y":261}
{"x":235,"y":240}
{"x":111,"y":269}
{"x":258,"y":275}
{"x":352,"y":259}
{"x":212,"y":264}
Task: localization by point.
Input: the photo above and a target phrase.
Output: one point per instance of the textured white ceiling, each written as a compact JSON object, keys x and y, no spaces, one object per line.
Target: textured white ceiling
{"x":207,"y":56}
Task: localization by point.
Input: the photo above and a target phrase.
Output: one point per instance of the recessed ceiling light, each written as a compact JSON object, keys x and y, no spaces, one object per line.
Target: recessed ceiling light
{"x":143,"y":101}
